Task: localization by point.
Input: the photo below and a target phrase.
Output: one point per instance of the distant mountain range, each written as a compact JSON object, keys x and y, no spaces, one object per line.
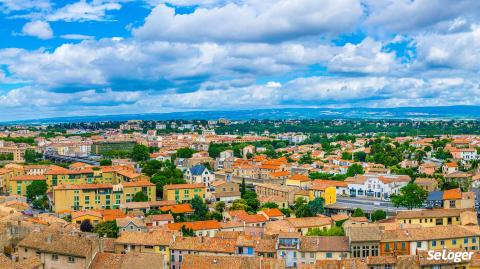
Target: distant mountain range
{"x":419,"y":113}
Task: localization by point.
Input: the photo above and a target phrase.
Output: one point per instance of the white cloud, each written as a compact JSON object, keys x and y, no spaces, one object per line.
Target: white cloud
{"x":8,"y":6}
{"x":76,"y":37}
{"x":366,"y":57}
{"x":39,"y":29}
{"x":266,"y":20}
{"x":83,"y":11}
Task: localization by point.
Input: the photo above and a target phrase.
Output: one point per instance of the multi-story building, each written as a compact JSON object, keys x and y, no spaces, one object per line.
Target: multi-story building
{"x":376,"y":186}
{"x":18,"y":184}
{"x":268,"y":190}
{"x":59,"y":250}
{"x":99,"y":195}
{"x":200,"y":174}
{"x":183,"y":192}
{"x":430,"y":217}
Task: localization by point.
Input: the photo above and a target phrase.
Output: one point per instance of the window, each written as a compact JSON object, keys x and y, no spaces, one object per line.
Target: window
{"x":71,"y":259}
{"x":474,"y":240}
{"x":454,"y":241}
{"x":387,"y":247}
{"x":442,"y":243}
{"x":55,"y":257}
{"x":434,"y":243}
{"x":452,"y":204}
{"x":465,"y":240}
{"x":388,"y":266}
{"x":374,"y":250}
{"x":403,"y":245}
{"x":329,"y":255}
{"x":419,"y":244}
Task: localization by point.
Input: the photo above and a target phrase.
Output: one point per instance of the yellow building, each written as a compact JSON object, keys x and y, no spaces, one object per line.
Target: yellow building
{"x":430,"y":217}
{"x":328,"y":193}
{"x":18,"y":184}
{"x":95,"y":217}
{"x":298,"y":180}
{"x":100,"y":195}
{"x":155,"y":241}
{"x":183,"y":192}
{"x":5,"y":176}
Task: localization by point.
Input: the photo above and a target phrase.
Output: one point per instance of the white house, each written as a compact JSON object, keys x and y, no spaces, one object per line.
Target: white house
{"x":379,"y":186}
{"x":200,"y":174}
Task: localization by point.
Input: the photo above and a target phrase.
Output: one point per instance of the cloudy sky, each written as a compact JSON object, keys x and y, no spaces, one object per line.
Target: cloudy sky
{"x":94,"y":57}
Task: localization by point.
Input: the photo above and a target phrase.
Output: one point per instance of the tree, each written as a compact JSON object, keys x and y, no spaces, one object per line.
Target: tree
{"x":185,"y":153}
{"x":243,"y":188}
{"x":200,"y":208}
{"x":301,"y":208}
{"x":250,"y":198}
{"x":354,"y":169}
{"x":140,"y":153}
{"x":239,"y":204}
{"x":334,"y":231}
{"x":346,"y":155}
{"x":107,"y":228}
{"x":359,"y":156}
{"x":140,"y":197}
{"x":40,"y":202}
{"x":286,"y":211}
{"x":151,"y":167}
{"x":86,"y":226}
{"x":358,"y":213}
{"x":30,"y":156}
{"x":220,"y":206}
{"x":105,"y":162}
{"x":270,"y":205}
{"x":410,"y":196}
{"x":316,"y":206}
{"x":37,"y":188}
{"x":187,"y":232}
{"x":378,"y":215}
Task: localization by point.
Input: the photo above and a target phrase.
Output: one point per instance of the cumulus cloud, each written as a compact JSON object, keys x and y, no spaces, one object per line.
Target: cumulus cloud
{"x":39,"y":29}
{"x":83,"y":11}
{"x":252,"y":21}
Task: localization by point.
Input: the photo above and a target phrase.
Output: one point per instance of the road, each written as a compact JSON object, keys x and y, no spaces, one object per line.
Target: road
{"x":367,"y":205}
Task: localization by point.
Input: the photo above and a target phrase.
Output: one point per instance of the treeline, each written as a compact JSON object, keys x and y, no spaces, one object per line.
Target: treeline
{"x":270,"y":146}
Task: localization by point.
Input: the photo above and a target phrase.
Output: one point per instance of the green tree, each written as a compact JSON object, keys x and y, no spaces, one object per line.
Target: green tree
{"x":140,"y":197}
{"x":187,"y":232}
{"x":270,"y":205}
{"x":250,"y":198}
{"x":220,"y":206}
{"x":152,"y":167}
{"x":200,"y":208}
{"x":378,"y":215}
{"x":410,"y":196}
{"x":140,"y":153}
{"x":105,"y":162}
{"x":358,"y":213}
{"x":40,"y":202}
{"x":239,"y":204}
{"x":316,"y":206}
{"x":107,"y":228}
{"x":346,"y":155}
{"x":301,"y":208}
{"x":359,"y":156}
{"x":355,"y":169}
{"x":37,"y":188}
{"x":243,"y":188}
{"x":286,"y":211}
{"x":185,"y":153}
{"x":334,"y":231}
{"x":30,"y":156}
{"x":86,"y":226}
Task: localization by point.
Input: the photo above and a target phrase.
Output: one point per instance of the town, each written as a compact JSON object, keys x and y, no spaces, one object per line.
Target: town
{"x":240,"y":194}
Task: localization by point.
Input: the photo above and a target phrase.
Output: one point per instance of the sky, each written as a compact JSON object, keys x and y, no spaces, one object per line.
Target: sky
{"x":98,"y":57}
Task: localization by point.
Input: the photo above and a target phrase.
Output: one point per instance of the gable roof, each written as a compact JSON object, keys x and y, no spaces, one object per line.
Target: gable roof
{"x":197,"y":169}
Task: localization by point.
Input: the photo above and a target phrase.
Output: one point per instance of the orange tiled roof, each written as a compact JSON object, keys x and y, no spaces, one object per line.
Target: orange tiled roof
{"x":272,"y":212}
{"x":28,"y":178}
{"x":453,"y":194}
{"x":300,"y":177}
{"x":177,"y":209}
{"x":183,"y":186}
{"x":195,"y":225}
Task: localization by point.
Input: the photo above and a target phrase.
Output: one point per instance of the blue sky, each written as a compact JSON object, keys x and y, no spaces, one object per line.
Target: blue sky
{"x":93,"y":57}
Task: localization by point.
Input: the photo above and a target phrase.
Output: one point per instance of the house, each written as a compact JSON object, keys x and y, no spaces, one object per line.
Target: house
{"x":427,"y":184}
{"x":129,"y":224}
{"x":364,"y":240}
{"x":448,"y":168}
{"x":268,"y":189}
{"x":231,"y":262}
{"x":314,"y":248}
{"x":325,"y":189}
{"x":207,"y":228}
{"x":427,"y":168}
{"x":184,"y":192}
{"x":130,"y":260}
{"x":199,"y":246}
{"x":430,"y":217}
{"x":57,"y":250}
{"x":298,"y":180}
{"x":152,"y":242}
{"x":200,"y":174}
{"x":94,"y":217}
{"x":376,"y":186}
{"x":159,"y":220}
{"x":29,"y":263}
{"x":178,"y":209}
{"x":225,"y":191}
{"x":300,"y":225}
{"x":455,"y":198}
{"x":272,"y":214}
{"x":409,"y":241}
{"x":465,"y":154}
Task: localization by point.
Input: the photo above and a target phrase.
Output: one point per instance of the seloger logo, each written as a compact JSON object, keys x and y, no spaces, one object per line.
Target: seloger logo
{"x":455,"y":256}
